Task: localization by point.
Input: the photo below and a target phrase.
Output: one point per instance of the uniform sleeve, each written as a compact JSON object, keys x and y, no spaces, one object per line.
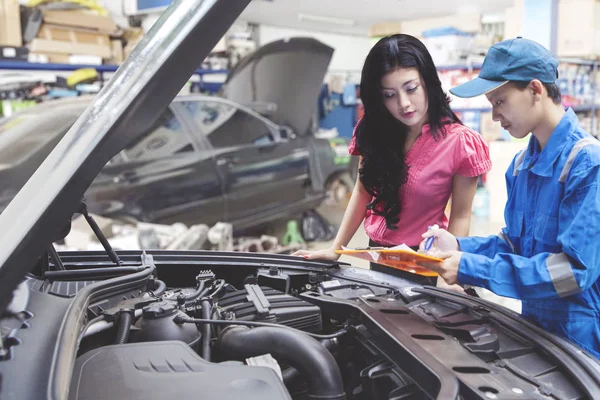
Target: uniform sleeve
{"x":551,"y":275}
{"x":492,"y":245}
{"x":352,"y":146}
{"x":473,"y":154}
{"x":487,"y":246}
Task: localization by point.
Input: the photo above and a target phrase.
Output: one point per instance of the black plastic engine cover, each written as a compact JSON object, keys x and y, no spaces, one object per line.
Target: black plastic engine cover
{"x":264,"y":304}
{"x":167,"y":370}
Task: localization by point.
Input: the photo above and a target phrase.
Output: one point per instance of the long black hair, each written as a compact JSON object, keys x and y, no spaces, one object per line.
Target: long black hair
{"x":380,"y":138}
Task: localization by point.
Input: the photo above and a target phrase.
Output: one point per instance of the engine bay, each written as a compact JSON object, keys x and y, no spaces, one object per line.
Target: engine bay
{"x":209,"y":325}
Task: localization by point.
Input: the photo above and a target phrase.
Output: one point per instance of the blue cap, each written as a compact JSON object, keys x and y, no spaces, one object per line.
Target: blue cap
{"x":511,"y":60}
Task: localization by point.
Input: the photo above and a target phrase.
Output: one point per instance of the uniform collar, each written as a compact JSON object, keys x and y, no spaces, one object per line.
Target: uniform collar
{"x":557,"y":141}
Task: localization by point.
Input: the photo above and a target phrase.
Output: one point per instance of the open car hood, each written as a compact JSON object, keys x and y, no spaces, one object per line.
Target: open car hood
{"x":131,"y":102}
{"x":270,"y":75}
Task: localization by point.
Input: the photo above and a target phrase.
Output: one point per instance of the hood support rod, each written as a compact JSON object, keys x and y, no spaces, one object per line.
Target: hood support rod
{"x":98,"y":232}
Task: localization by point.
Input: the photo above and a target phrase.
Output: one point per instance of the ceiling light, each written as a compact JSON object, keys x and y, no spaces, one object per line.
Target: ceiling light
{"x":326,"y":20}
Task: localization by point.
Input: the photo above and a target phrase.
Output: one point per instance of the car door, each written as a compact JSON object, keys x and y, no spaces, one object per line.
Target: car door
{"x":162,"y":177}
{"x":263,"y":174}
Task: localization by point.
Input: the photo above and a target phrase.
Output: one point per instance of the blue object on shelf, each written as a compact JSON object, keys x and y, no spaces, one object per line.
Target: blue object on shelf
{"x":472,"y":119}
{"x":152,"y":4}
{"x":445,"y":31}
{"x":350,"y":94}
{"x":62,"y":93}
{"x":337,"y":115}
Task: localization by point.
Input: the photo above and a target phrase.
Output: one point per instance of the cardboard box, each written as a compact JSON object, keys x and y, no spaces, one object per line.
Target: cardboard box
{"x":65,"y":34}
{"x":132,"y":36}
{"x":513,"y":19}
{"x":10,"y":23}
{"x":78,"y":19}
{"x":63,"y":40}
{"x":117,"y":52}
{"x":385,"y":29}
{"x":465,"y":22}
{"x":578,"y":28}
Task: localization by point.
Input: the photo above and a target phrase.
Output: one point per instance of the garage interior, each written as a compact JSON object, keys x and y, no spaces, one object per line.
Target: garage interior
{"x":59,"y":51}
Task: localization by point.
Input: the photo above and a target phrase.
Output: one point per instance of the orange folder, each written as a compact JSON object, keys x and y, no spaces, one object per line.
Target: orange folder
{"x":404,"y":259}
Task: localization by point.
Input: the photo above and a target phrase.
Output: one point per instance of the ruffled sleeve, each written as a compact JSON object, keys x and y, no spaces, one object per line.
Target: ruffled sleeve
{"x":352,"y":146}
{"x":474,"y":154}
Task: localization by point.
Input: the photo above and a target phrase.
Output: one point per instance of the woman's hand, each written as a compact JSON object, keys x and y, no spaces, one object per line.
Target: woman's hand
{"x":324,"y":254}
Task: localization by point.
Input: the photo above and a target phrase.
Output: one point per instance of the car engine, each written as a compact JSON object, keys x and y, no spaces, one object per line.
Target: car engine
{"x":209,"y":325}
{"x":210,"y":338}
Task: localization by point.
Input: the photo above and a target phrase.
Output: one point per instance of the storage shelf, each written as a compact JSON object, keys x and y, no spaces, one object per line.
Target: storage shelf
{"x":585,"y":107}
{"x":580,"y":108}
{"x":467,"y":109}
{"x":27,"y":66}
{"x":458,"y":66}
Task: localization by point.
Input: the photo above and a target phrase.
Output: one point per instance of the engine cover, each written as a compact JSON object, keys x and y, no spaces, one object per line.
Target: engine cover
{"x":168,"y":370}
{"x":264,"y":304}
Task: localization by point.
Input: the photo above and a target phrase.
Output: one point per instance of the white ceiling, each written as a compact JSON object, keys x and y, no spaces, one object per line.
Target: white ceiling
{"x":365,"y":12}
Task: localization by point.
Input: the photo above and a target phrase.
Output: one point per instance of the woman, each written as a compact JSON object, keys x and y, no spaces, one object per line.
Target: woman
{"x":415,"y":153}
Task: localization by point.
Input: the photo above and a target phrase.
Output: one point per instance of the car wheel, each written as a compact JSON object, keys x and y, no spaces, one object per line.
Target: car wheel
{"x":338,"y":190}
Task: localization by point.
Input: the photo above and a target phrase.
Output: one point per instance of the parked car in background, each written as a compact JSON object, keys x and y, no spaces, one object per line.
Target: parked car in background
{"x":207,"y":158}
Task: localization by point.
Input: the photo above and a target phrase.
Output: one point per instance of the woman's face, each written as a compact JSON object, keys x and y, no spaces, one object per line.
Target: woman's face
{"x":405,"y":96}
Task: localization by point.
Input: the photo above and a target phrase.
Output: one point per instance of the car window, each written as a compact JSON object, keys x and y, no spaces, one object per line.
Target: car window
{"x":225,"y":125}
{"x":25,"y":133}
{"x":166,"y":138}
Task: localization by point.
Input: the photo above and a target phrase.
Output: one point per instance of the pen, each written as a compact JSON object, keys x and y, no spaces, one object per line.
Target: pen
{"x":430,"y":239}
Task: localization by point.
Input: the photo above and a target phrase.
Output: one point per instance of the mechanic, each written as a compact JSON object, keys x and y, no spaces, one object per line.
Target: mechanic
{"x":548,"y":254}
{"x":415,"y":154}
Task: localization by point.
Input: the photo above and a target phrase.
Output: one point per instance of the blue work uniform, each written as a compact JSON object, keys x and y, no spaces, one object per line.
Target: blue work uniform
{"x":548,"y":255}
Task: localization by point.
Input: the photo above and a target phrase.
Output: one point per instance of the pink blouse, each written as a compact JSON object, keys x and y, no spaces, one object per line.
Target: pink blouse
{"x":432,"y":165}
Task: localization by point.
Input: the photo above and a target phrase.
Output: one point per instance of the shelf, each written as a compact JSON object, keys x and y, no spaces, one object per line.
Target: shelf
{"x":577,"y":61}
{"x":581,"y":108}
{"x":585,"y":107}
{"x":458,"y":66}
{"x":480,"y":109}
{"x":23,"y":65}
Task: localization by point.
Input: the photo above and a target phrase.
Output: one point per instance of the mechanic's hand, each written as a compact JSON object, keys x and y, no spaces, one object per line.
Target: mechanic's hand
{"x":444,"y":241}
{"x":453,"y":288}
{"x":324,"y":254}
{"x":447,"y":269}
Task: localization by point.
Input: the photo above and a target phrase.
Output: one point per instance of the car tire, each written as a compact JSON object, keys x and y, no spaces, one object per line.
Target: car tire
{"x":338,"y":190}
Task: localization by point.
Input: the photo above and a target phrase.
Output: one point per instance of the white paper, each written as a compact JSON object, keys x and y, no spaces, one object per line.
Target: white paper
{"x":403,"y":246}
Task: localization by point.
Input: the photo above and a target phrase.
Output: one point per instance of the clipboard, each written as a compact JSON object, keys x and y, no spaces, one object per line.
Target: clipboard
{"x":400,"y":257}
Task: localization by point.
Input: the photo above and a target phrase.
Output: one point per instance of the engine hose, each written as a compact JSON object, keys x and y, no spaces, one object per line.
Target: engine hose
{"x":123,"y":327}
{"x":184,"y":319}
{"x":161,"y":287}
{"x":197,"y":293}
{"x":206,"y":330}
{"x":291,"y":374}
{"x":218,"y":288}
{"x":297,"y":349}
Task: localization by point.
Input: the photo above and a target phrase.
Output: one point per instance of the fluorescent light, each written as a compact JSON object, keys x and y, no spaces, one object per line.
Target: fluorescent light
{"x":326,"y":20}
